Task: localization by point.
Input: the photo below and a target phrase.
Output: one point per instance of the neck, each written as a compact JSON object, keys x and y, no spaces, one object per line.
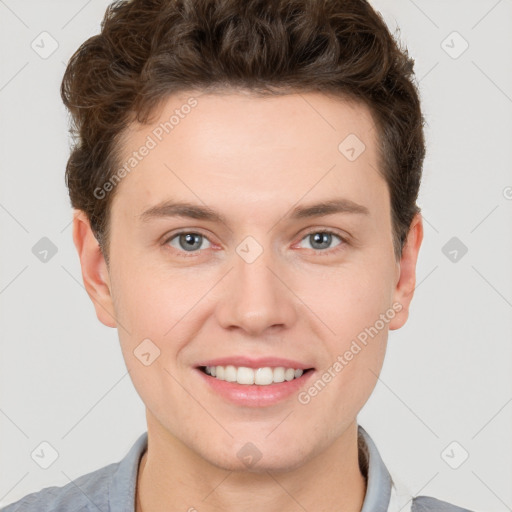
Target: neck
{"x":170,"y":478}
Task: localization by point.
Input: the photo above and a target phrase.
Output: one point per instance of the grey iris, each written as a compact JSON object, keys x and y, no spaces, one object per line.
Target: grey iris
{"x":190,"y":241}
{"x":323,"y":239}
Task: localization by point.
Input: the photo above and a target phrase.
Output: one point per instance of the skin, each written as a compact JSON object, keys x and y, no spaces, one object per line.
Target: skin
{"x":253,"y":160}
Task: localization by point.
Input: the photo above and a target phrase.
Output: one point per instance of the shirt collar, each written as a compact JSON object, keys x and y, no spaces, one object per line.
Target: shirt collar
{"x":378,"y":480}
{"x":124,"y":480}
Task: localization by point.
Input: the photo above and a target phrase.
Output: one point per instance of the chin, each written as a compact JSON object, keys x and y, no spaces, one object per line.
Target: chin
{"x":249,"y":459}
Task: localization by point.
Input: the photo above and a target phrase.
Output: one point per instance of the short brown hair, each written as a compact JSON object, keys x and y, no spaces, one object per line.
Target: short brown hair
{"x":149,"y":49}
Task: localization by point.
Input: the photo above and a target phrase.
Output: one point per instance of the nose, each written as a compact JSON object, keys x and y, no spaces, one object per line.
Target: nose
{"x":255,"y":297}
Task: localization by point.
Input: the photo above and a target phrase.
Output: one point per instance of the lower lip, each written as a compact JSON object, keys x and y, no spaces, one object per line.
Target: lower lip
{"x":252,"y":395}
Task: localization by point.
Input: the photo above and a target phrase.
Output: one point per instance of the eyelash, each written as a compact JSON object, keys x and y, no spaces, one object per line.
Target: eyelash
{"x":184,"y":254}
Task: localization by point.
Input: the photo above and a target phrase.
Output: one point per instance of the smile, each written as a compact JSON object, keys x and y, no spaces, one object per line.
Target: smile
{"x":258,"y":376}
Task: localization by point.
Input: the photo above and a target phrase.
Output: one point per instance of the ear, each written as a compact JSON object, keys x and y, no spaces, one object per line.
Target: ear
{"x":406,"y":281}
{"x":94,"y":269}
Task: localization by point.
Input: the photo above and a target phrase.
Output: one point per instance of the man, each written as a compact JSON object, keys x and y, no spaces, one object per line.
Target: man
{"x":244,"y":179}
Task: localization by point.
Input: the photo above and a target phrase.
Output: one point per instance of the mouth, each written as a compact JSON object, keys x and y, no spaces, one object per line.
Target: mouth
{"x":264,"y":376}
{"x":254,"y":382}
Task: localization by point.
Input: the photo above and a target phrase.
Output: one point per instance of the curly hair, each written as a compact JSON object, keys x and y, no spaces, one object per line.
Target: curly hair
{"x":149,"y":49}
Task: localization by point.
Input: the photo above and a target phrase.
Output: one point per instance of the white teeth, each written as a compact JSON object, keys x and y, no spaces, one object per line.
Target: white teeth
{"x":279,"y":374}
{"x":263,"y":376}
{"x":260,"y":376}
{"x":230,"y":373}
{"x":245,"y":375}
{"x":289,"y":374}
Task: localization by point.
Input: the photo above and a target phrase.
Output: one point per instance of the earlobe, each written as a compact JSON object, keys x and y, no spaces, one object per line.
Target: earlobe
{"x":406,"y":283}
{"x":94,"y":269}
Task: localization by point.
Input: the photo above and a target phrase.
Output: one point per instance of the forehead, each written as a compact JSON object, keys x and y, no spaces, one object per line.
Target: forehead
{"x":241,"y":150}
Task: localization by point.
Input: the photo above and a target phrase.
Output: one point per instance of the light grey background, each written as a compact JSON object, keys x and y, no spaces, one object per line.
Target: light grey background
{"x":448,"y":373}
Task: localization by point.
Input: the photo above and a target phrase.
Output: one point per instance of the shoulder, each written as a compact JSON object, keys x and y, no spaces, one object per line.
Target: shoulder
{"x":428,"y":504}
{"x":86,"y":493}
{"x":107,"y":487}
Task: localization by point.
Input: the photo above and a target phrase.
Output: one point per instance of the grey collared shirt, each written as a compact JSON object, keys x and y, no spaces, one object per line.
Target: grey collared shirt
{"x":112,"y":488}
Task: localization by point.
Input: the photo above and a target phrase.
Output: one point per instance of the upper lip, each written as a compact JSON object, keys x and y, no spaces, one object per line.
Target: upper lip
{"x":260,"y":362}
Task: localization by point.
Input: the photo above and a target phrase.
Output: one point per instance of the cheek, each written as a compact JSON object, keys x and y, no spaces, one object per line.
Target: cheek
{"x":160,"y":311}
{"x":150,"y":300}
{"x":351,"y":298}
{"x":358,"y":310}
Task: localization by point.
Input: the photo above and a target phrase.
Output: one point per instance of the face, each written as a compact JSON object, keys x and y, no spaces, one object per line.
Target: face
{"x":280,"y":256}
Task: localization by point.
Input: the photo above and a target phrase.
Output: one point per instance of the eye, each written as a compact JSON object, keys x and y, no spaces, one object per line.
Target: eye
{"x":321,"y":240}
{"x":191,"y":242}
{"x":187,"y":241}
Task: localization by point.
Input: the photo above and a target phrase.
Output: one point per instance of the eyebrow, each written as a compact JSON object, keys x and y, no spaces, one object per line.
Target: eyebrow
{"x":195,"y":211}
